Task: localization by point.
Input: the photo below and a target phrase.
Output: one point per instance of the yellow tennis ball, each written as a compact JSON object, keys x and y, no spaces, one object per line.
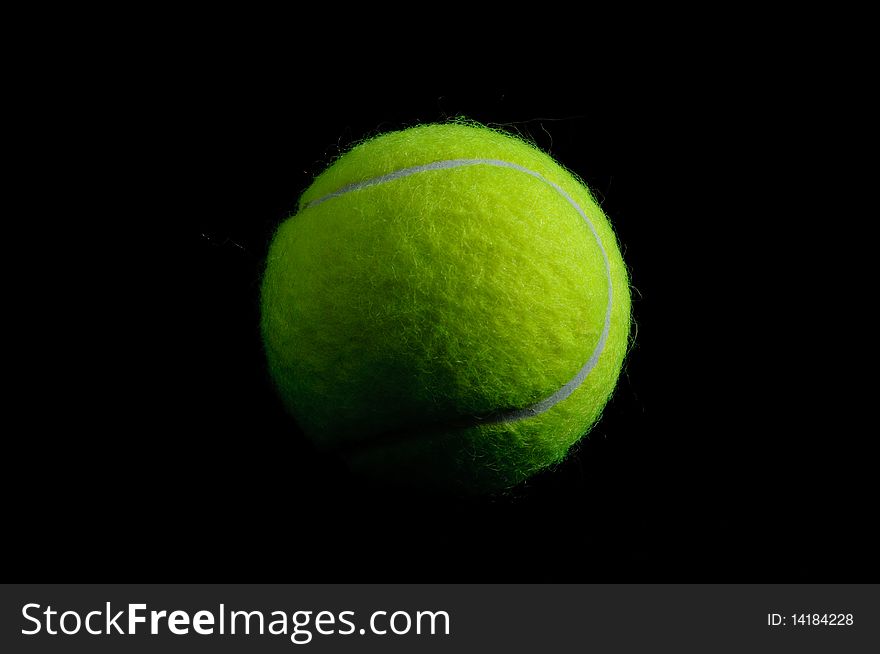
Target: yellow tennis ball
{"x":448,"y":308}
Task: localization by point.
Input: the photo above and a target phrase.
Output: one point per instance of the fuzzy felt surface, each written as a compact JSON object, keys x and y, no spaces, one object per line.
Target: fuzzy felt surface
{"x":399,"y":316}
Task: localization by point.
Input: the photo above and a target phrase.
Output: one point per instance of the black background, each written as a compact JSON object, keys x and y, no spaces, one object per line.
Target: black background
{"x":157,"y":450}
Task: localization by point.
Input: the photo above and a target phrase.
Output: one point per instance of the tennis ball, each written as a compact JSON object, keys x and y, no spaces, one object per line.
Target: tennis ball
{"x":448,"y":308}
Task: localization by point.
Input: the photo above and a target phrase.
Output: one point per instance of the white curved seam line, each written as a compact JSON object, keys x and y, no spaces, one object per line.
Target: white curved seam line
{"x":564,"y":391}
